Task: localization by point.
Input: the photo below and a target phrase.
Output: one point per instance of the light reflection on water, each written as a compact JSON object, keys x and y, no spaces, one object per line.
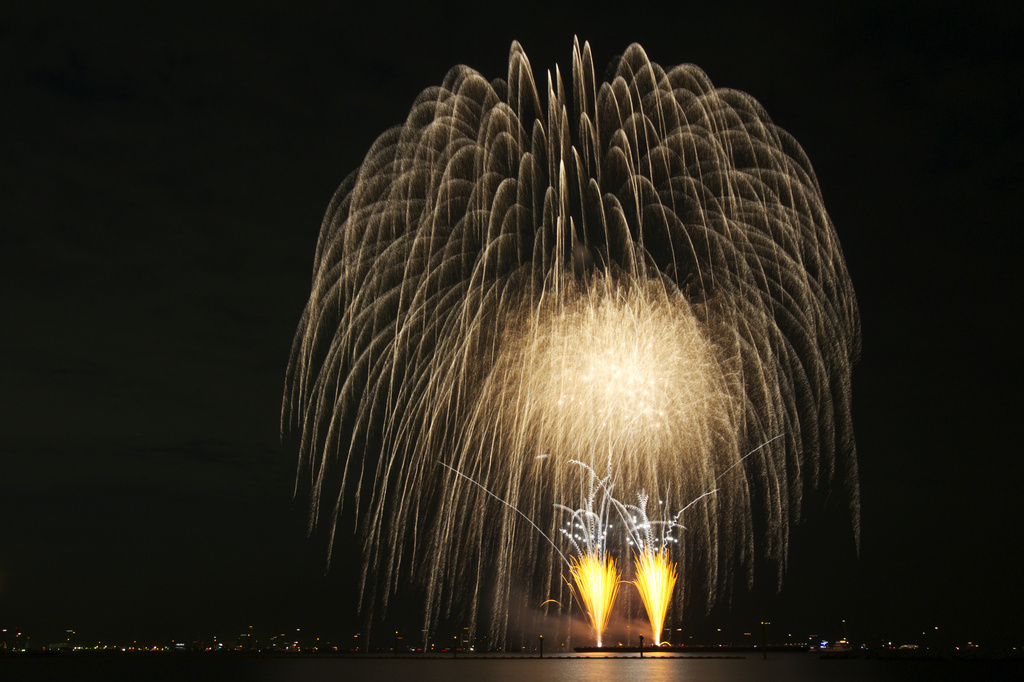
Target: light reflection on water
{"x":778,"y":668}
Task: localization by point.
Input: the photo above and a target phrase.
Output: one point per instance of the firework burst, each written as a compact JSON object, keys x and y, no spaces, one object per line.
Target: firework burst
{"x":635,"y":275}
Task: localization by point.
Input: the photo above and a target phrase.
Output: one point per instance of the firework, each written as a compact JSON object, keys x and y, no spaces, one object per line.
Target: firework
{"x":597,"y":582}
{"x":655,"y":580}
{"x":637,"y":276}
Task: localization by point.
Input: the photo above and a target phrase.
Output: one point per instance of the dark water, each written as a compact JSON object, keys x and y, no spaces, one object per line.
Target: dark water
{"x":779,"y":668}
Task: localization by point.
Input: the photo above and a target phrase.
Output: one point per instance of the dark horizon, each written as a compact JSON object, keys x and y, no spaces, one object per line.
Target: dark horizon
{"x":165,"y":175}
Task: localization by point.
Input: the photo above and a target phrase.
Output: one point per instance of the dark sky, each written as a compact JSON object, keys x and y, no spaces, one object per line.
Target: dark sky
{"x":163,"y":174}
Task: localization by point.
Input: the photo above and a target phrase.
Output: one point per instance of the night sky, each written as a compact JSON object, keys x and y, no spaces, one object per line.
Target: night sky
{"x":163,"y":174}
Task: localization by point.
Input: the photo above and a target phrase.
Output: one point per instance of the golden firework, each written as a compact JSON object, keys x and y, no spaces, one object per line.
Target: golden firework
{"x":655,"y":578}
{"x":597,"y":583}
{"x":634,"y":279}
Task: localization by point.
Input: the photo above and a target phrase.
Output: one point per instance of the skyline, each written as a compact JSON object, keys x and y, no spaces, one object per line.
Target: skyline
{"x":411,"y":641}
{"x":165,"y":191}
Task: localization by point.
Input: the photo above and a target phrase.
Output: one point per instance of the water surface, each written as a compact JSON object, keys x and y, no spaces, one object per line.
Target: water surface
{"x":778,"y":668}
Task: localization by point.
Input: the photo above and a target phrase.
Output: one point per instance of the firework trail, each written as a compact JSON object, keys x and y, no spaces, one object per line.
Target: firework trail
{"x":637,"y":275}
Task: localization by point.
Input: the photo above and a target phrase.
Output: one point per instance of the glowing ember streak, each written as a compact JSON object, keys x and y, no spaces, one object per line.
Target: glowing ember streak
{"x":597,"y":582}
{"x":655,"y":578}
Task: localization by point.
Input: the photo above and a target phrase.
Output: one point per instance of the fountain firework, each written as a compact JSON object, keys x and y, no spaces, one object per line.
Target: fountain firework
{"x":597,"y":580}
{"x":655,"y":580}
{"x":638,"y":277}
{"x":655,"y":574}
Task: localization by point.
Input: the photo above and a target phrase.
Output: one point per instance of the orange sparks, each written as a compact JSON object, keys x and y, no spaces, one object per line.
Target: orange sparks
{"x":597,"y":582}
{"x":655,"y":578}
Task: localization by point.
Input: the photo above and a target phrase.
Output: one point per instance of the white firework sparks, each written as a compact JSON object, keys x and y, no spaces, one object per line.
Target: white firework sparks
{"x":639,"y":277}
